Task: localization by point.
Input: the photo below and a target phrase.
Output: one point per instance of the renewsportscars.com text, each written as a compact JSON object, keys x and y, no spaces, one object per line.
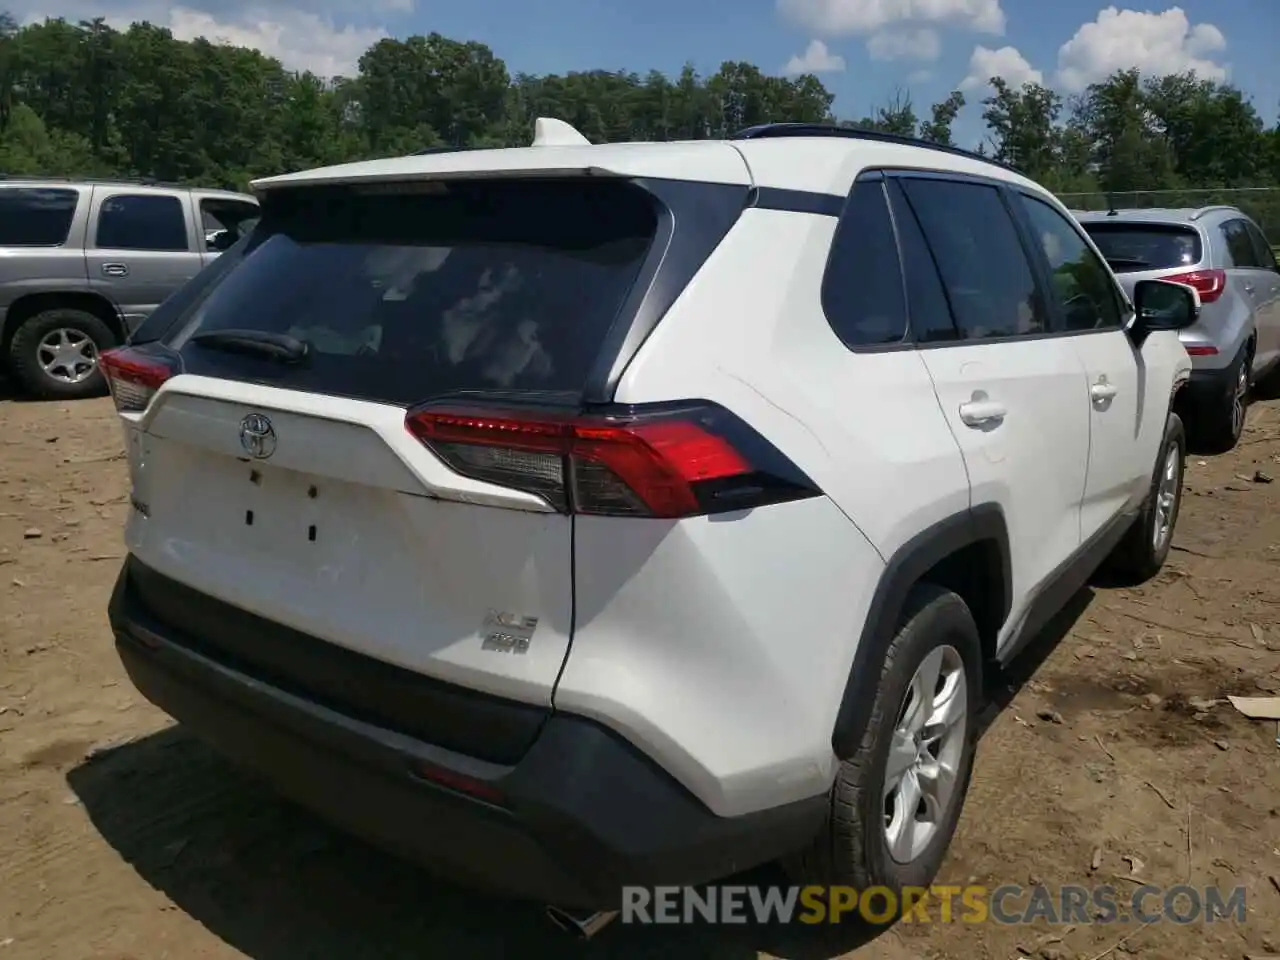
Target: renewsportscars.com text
{"x":1008,"y":904}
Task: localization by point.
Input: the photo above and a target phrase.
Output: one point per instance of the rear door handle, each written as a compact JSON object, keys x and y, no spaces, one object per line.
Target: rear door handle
{"x":115,"y":269}
{"x":980,"y":413}
{"x":1102,"y":391}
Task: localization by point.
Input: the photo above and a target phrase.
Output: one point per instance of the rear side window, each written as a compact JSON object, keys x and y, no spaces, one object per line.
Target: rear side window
{"x":984,"y":267}
{"x":926,"y":300}
{"x":862,"y":293}
{"x":405,"y":294}
{"x":1134,"y":247}
{"x":1082,"y":285}
{"x":1266,"y":255}
{"x":1239,"y":244}
{"x":31,"y":217}
{"x":142,"y":222}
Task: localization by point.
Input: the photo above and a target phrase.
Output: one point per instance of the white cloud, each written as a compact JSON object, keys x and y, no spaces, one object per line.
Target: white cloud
{"x":815,"y":59}
{"x":831,"y":18}
{"x":305,"y":41}
{"x":302,"y":39}
{"x":1155,"y":43}
{"x":920,"y":43}
{"x":919,"y":76}
{"x":1006,"y":63}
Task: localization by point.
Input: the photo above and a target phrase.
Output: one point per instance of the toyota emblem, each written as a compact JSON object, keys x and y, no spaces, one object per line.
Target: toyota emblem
{"x":257,"y":436}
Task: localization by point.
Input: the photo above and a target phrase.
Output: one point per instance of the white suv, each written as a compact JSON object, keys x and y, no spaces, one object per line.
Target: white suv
{"x":574,"y":516}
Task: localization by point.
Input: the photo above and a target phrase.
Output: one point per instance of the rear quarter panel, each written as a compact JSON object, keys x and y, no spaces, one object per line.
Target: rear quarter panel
{"x":722,"y":646}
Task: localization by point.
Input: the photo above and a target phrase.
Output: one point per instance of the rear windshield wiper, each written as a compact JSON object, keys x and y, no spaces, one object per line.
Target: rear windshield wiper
{"x":1127,"y":262}
{"x":277,"y":346}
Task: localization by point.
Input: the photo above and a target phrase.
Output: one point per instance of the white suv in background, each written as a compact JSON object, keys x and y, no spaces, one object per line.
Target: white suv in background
{"x":574,"y":516}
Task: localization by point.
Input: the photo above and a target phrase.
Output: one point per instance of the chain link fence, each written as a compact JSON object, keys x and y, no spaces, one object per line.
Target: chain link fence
{"x":1260,"y":203}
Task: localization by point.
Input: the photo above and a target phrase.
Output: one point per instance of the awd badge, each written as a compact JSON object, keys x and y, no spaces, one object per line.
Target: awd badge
{"x":507,"y":632}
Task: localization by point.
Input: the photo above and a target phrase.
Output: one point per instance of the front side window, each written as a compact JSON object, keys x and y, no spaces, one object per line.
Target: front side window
{"x":224,"y":221}
{"x":1081,"y":283}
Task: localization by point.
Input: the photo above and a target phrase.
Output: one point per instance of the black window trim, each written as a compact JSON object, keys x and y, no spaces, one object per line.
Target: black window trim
{"x":907,"y":342}
{"x":77,"y":192}
{"x":94,"y":226}
{"x":1044,"y":272}
{"x":1035,"y":257}
{"x":904,"y":204}
{"x":1036,"y":264}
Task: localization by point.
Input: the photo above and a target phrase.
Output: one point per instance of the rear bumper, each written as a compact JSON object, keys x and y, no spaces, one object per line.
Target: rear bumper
{"x":581,"y":814}
{"x":1204,"y":389}
{"x":1209,"y":380}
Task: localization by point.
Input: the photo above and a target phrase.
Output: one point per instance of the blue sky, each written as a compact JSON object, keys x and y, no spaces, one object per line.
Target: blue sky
{"x":863,"y":50}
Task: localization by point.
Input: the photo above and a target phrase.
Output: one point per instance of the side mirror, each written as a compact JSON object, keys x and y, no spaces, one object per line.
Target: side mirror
{"x":1161,"y":305}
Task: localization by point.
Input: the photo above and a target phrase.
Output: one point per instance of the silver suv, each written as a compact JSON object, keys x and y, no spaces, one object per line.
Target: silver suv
{"x":82,"y":263}
{"x":1224,"y":255}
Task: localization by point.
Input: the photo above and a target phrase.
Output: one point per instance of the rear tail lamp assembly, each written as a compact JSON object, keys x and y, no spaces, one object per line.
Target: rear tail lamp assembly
{"x":1210,"y":284}
{"x":134,"y":376}
{"x":666,"y":461}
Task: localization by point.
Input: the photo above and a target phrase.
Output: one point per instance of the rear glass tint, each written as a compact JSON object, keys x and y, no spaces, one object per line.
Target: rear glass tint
{"x":1130,"y":248}
{"x":32,"y":217}
{"x":409,"y":292}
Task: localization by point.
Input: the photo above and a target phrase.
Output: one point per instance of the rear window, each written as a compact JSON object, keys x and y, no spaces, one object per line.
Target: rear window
{"x":414,"y":291}
{"x":31,"y":217}
{"x":1129,"y":248}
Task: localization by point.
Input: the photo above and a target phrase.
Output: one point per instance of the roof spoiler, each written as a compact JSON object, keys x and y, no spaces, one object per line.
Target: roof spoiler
{"x":550,"y":132}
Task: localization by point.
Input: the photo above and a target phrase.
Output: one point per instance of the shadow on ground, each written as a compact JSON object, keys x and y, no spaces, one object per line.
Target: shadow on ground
{"x":277,"y":884}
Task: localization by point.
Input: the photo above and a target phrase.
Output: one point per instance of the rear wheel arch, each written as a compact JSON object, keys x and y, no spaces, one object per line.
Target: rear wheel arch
{"x":34,"y":304}
{"x":966,"y":553}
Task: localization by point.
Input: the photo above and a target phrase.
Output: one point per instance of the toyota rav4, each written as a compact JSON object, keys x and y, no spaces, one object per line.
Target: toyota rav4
{"x":576,"y":515}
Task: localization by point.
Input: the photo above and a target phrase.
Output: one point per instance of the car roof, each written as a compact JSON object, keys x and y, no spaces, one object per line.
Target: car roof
{"x":788,"y":156}
{"x":52,"y":183}
{"x":1164,"y":215}
{"x":214,"y":194}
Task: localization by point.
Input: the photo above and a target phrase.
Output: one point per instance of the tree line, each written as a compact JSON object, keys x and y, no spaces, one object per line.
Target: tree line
{"x":83,"y":99}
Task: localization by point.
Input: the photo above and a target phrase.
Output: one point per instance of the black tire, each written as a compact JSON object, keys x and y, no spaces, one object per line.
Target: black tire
{"x":1267,"y":387}
{"x":25,"y":353}
{"x":852,"y":848}
{"x":1216,"y":422}
{"x":1138,"y":557}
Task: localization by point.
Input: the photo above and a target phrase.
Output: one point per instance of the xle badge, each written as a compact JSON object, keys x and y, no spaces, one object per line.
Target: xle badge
{"x":507,"y":632}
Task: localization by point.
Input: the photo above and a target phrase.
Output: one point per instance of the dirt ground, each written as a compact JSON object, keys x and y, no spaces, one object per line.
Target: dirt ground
{"x":121,"y":838}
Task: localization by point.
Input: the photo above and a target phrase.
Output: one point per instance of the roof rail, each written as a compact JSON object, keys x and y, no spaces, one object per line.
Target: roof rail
{"x":104,"y":181}
{"x":1210,"y":209}
{"x":768,"y":130}
{"x":429,"y":150}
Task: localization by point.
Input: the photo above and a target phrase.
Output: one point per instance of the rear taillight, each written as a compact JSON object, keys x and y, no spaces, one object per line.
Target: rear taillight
{"x":641,"y":462}
{"x":1208,"y":283}
{"x":133,"y":377}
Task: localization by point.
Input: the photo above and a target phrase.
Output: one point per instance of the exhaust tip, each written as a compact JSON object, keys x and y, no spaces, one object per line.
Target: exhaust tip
{"x":583,"y":926}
